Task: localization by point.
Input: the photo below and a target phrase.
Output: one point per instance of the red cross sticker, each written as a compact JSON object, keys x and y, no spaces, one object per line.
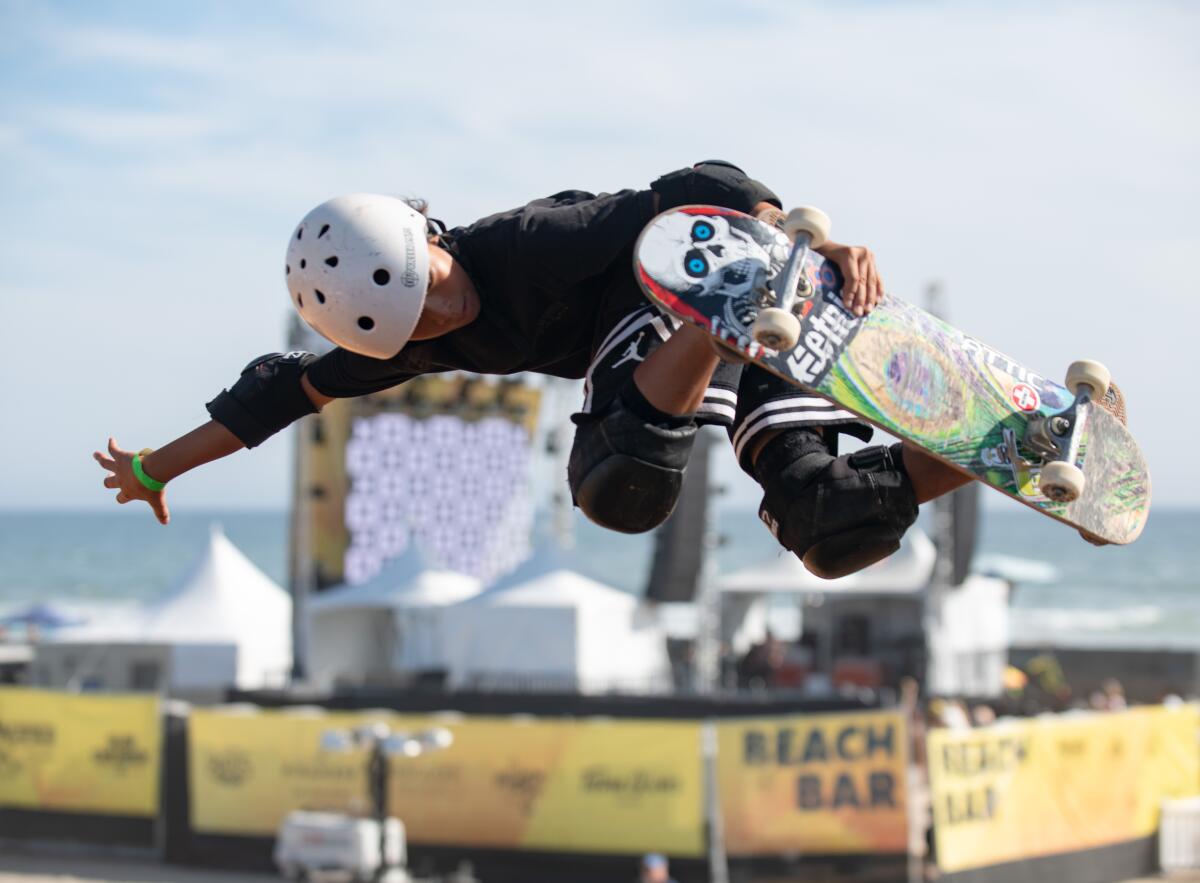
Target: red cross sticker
{"x":1025,"y":397}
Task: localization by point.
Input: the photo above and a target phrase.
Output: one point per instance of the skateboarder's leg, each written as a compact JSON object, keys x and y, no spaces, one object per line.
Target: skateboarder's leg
{"x":838,"y":514}
{"x":636,"y":428}
{"x":675,"y":377}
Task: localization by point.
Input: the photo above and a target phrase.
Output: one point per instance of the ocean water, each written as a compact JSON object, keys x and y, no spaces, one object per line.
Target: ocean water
{"x":1144,"y":595}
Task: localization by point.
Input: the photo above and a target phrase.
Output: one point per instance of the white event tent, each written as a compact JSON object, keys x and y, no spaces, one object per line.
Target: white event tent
{"x":546,"y":627}
{"x":968,"y":638}
{"x":223,"y":623}
{"x":906,"y":572}
{"x":391,"y":624}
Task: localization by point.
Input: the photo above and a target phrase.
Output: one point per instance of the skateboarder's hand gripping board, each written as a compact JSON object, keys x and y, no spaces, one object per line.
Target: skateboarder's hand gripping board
{"x":863,"y":287}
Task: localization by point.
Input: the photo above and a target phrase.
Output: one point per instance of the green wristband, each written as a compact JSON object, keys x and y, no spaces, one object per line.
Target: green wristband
{"x":145,"y":479}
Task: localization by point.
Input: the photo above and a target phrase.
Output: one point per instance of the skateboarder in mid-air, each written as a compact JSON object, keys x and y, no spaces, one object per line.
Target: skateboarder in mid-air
{"x":549,"y":287}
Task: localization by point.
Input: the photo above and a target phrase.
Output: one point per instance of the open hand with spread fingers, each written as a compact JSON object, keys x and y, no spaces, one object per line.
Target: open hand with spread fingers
{"x":123,"y":476}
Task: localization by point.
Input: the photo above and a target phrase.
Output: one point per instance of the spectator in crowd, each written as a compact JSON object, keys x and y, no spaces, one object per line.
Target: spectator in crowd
{"x":983,"y":715}
{"x":1049,"y":688}
{"x":655,"y":869}
{"x":1114,"y":695}
{"x":757,"y":669}
{"x":949,"y":713}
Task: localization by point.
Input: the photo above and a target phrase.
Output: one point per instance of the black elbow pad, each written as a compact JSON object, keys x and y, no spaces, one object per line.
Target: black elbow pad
{"x":266,"y":398}
{"x":713,"y":182}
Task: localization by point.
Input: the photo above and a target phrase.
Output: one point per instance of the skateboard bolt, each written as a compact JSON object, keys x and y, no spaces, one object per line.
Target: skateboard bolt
{"x":1060,"y":425}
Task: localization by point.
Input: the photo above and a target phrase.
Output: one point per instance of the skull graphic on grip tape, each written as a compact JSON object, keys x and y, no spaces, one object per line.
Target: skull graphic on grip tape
{"x":705,"y":256}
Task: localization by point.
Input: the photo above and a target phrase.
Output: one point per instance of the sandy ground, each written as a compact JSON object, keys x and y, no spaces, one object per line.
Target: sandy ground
{"x":36,"y":867}
{"x":49,"y":867}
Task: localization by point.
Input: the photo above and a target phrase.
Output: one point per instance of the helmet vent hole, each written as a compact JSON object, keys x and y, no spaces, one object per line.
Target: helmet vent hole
{"x":382,"y":277}
{"x":286,"y":269}
{"x":366,"y":323}
{"x":300,"y":233}
{"x":324,"y":230}
{"x":299,"y":300}
{"x":331,"y":261}
{"x":303,"y":263}
{"x":320,"y":295}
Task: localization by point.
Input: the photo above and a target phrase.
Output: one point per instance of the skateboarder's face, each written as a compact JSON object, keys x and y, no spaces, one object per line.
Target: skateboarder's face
{"x":451,"y":301}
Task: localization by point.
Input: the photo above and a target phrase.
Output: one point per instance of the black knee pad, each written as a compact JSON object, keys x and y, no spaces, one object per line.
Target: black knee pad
{"x":627,"y":463}
{"x":839,"y":514}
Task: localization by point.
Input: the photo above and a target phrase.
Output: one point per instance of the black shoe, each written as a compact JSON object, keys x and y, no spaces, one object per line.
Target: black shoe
{"x":838,"y":514}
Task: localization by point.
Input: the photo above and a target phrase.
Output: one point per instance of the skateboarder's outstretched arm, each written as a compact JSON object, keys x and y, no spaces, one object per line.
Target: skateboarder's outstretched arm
{"x":450,"y":303}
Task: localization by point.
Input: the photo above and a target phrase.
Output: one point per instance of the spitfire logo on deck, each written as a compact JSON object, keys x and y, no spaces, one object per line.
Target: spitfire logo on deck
{"x":824,"y":332}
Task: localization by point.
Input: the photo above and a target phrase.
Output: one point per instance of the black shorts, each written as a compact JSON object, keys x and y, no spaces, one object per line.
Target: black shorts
{"x":743,"y":398}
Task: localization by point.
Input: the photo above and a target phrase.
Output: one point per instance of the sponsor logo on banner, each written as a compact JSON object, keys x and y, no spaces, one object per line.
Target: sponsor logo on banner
{"x":980,"y":759}
{"x":525,"y":785}
{"x":317,"y":771}
{"x":22,"y":739}
{"x":794,"y":747}
{"x":232,"y":768}
{"x":1044,"y":786}
{"x":122,"y":753}
{"x":440,"y":775}
{"x":632,"y":783}
{"x":83,"y":753}
{"x":814,"y":783}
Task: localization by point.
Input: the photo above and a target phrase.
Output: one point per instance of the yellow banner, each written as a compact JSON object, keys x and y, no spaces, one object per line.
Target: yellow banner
{"x":248,"y":769}
{"x":87,"y":753}
{"x":573,"y":785}
{"x":1037,"y":787}
{"x":817,"y":783}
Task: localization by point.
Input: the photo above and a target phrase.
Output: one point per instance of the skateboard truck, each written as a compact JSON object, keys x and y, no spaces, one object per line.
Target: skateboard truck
{"x":778,"y":327}
{"x":1058,"y":436}
{"x":1050,"y":436}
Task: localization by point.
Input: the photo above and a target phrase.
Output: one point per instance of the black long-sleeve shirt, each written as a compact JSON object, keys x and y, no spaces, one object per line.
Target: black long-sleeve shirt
{"x":540,"y":271}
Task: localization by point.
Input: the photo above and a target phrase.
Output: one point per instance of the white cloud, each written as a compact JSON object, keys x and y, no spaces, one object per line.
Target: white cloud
{"x":1039,"y":159}
{"x":138,"y":130}
{"x":159,"y":52}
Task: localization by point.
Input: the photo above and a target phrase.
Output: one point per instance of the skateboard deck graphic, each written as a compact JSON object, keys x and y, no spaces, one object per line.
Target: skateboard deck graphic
{"x":898,"y":368}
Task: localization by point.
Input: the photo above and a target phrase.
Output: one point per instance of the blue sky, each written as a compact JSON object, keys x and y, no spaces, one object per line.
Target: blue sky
{"x":1039,"y":159}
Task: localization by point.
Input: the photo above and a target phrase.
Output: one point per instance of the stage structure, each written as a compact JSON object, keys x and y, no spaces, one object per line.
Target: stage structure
{"x":442,"y":461}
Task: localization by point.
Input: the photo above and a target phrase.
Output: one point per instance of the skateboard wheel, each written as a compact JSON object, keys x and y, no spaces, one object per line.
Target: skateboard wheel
{"x":1061,"y":482}
{"x":810,"y":220}
{"x":1085,"y":372}
{"x":777,"y":329}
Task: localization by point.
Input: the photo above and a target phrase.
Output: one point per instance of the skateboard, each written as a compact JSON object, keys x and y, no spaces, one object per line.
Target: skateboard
{"x":768,"y":298}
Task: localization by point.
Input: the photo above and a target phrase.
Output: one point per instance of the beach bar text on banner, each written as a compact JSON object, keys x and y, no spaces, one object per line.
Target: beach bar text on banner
{"x":594,"y":786}
{"x":1021,"y":789}
{"x":67,"y":752}
{"x":816,"y":783}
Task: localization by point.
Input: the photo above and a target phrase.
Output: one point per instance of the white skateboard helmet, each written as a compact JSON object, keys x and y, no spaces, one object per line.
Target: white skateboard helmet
{"x":357,"y":272}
